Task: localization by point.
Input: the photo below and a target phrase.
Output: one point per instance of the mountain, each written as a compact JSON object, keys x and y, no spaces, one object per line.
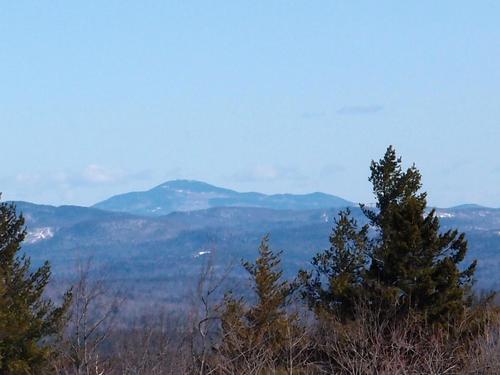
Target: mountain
{"x":187,"y":195}
{"x":153,"y":244}
{"x":158,"y":258}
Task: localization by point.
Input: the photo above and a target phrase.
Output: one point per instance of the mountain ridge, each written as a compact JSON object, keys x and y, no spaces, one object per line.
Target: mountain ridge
{"x":134,"y":247}
{"x":190,"y":195}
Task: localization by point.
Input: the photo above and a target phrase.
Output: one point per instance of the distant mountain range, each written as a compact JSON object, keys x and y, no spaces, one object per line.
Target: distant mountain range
{"x":154,"y":256}
{"x":187,"y":195}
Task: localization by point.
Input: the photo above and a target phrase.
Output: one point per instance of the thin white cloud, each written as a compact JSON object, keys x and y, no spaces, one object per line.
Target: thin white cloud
{"x":92,"y":174}
{"x":71,"y":187}
{"x":27,"y":178}
{"x":97,"y":174}
{"x":268,"y":173}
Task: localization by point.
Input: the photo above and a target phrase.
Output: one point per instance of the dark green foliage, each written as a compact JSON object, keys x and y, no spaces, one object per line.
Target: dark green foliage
{"x":412,"y":265}
{"x":336,"y":281}
{"x":26,"y":318}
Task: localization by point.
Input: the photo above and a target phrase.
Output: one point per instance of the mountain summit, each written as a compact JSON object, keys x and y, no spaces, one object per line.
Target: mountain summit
{"x":189,"y":195}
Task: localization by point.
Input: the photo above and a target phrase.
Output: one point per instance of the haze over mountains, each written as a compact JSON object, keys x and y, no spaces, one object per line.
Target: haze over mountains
{"x":154,"y":242}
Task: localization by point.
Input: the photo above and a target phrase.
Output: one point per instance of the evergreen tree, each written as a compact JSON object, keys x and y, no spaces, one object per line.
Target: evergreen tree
{"x":26,"y":318}
{"x":272,"y":293}
{"x":265,"y":322}
{"x":414,"y":266}
{"x":336,"y":281}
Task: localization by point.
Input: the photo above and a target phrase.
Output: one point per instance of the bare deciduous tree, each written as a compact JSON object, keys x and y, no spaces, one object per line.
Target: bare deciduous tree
{"x":203,"y":316}
{"x":91,"y":321}
{"x":155,"y":346}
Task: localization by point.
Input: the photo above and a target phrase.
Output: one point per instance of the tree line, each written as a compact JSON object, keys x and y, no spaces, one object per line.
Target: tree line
{"x":391,"y":296}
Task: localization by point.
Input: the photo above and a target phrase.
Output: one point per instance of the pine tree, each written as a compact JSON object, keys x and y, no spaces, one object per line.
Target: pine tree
{"x":414,"y":266}
{"x":336,"y":282}
{"x":272,"y":293}
{"x":26,"y":317}
{"x":266,"y":322}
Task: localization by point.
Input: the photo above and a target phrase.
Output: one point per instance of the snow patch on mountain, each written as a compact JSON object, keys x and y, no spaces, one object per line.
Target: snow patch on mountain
{"x":201,"y":253}
{"x":39,"y":234}
{"x":444,"y":215}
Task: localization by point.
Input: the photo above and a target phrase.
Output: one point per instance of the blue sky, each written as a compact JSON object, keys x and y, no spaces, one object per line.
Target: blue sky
{"x":104,"y":97}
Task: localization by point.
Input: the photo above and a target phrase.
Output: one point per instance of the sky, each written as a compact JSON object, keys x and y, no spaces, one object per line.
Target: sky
{"x":104,"y":97}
